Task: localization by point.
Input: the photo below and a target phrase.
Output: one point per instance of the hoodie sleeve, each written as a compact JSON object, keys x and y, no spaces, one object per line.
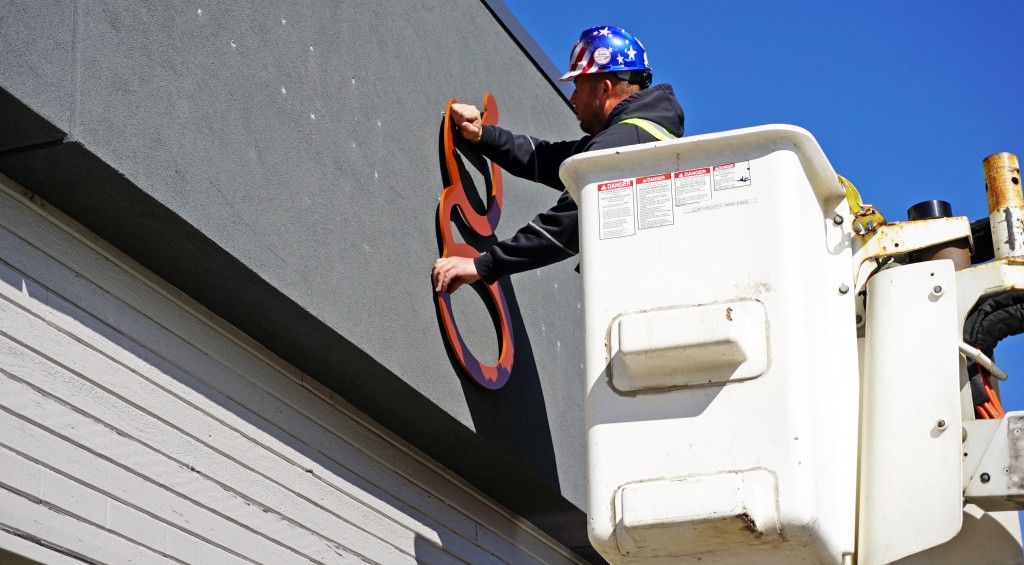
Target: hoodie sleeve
{"x":553,"y":236}
{"x":550,"y":237}
{"x":528,"y":157}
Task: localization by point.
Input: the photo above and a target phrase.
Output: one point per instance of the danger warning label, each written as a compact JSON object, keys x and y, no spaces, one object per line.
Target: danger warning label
{"x":617,"y":210}
{"x":654,"y":201}
{"x":732,"y":175}
{"x":629,"y":205}
{"x":693,"y":186}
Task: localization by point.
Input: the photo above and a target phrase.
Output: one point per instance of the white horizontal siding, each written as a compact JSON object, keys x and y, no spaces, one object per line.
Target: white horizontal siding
{"x":22,"y":551}
{"x":135,"y":415}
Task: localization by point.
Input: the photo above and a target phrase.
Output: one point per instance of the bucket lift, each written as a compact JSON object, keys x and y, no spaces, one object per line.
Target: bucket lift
{"x":746,"y":339}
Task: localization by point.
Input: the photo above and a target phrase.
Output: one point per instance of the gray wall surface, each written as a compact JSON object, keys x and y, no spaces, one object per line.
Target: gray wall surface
{"x":279,"y":162}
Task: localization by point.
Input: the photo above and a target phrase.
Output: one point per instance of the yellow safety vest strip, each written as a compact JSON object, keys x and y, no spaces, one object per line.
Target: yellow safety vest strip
{"x":658,"y":132}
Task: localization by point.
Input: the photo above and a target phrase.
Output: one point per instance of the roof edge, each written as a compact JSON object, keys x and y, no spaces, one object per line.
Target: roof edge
{"x":529,"y":46}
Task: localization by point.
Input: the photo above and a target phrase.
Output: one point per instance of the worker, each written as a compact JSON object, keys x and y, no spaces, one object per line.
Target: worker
{"x":615,"y":105}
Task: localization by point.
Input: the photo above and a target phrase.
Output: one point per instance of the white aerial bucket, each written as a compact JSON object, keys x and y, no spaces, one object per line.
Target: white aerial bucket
{"x":720,"y":350}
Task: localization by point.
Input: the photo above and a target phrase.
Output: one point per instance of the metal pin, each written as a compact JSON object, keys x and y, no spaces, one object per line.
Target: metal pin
{"x":843,"y":289}
{"x":838,"y":220}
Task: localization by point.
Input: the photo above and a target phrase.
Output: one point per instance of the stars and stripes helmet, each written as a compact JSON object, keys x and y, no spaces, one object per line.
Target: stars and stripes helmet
{"x":607,"y":49}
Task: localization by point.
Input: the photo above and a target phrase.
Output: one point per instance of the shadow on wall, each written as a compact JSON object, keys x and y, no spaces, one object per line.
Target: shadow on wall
{"x":248,"y":451}
{"x":428,"y":552}
{"x":512,"y":418}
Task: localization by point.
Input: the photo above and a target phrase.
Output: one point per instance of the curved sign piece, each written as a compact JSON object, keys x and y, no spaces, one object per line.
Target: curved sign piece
{"x":454,"y":197}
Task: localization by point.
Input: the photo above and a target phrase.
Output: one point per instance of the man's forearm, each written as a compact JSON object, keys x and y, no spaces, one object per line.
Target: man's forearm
{"x":525,"y":156}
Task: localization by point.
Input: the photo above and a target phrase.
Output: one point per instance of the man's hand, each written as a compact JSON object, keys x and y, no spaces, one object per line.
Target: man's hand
{"x":452,"y":272}
{"x":466,"y":119}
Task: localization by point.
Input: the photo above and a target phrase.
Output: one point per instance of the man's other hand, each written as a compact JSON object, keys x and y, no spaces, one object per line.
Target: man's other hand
{"x":452,"y":272}
{"x":466,"y":119}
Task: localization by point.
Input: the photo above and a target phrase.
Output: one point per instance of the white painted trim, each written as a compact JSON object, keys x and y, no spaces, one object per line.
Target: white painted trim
{"x":63,"y":531}
{"x":32,"y":551}
{"x":342,"y":436}
{"x":193,"y":406}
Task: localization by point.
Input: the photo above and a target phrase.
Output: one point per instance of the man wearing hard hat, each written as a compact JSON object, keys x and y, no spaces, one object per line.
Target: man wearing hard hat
{"x":615,"y":105}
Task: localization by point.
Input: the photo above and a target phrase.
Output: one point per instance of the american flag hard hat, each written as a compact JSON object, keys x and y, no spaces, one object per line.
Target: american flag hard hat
{"x":606,"y":49}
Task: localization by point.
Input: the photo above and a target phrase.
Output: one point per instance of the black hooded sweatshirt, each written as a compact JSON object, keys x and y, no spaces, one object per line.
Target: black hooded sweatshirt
{"x":553,"y":235}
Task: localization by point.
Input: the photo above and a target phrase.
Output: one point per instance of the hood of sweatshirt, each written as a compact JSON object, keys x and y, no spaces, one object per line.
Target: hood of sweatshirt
{"x":657,"y":104}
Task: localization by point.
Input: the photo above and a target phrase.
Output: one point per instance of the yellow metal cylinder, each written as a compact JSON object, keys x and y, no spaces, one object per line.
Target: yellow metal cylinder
{"x":1005,"y":204}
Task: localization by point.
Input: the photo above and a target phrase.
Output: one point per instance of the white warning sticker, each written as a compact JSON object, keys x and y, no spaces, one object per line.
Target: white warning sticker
{"x":617,"y":211}
{"x":732,"y":175}
{"x":654,"y":201}
{"x":693,"y":186}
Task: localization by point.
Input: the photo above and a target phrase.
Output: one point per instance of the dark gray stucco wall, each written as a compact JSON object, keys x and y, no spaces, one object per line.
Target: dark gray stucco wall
{"x":279,"y":162}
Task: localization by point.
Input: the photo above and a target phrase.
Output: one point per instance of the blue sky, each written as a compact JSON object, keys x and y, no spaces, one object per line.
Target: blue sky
{"x":905,"y":98}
